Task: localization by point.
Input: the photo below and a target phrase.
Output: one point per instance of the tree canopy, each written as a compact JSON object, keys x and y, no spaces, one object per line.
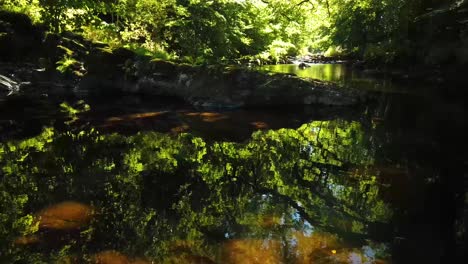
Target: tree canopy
{"x":227,"y":30}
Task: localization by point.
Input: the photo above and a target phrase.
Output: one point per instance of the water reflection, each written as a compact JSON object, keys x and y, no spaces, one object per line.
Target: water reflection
{"x":235,"y":125}
{"x":342,"y":74}
{"x":252,"y":251}
{"x":284,"y":196}
{"x":135,"y":114}
{"x":327,"y":72}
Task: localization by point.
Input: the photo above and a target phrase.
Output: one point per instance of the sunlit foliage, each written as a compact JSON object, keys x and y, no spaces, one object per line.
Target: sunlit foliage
{"x":227,"y":30}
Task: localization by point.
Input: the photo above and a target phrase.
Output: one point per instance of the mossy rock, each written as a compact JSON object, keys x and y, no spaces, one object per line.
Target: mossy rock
{"x":164,"y":68}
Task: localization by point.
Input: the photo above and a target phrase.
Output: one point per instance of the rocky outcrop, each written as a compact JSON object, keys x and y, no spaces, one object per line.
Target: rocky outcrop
{"x":211,"y":87}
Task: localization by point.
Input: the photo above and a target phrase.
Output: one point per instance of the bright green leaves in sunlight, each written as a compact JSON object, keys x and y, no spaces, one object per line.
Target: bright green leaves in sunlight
{"x":71,"y":112}
{"x":232,"y":30}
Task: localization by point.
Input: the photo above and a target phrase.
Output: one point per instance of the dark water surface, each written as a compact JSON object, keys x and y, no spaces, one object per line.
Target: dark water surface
{"x":134,"y":180}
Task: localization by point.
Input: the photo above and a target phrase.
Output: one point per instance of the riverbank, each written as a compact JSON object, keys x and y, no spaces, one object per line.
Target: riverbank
{"x":38,"y":63}
{"x":44,"y":64}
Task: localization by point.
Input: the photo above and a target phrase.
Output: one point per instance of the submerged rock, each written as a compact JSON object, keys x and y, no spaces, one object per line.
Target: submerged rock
{"x":115,"y":257}
{"x":65,"y":216}
{"x":110,"y":257}
{"x":251,"y":251}
{"x":189,"y":259}
{"x":27,"y":240}
{"x":56,"y":222}
{"x":303,"y":65}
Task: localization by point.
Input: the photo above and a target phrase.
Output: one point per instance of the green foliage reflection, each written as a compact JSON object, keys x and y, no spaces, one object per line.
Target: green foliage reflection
{"x":156,"y":193}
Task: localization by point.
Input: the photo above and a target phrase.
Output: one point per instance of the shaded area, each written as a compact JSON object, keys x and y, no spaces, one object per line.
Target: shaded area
{"x":22,"y":116}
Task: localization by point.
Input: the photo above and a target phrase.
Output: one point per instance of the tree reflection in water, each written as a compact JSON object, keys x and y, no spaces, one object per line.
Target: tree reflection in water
{"x":285,"y":196}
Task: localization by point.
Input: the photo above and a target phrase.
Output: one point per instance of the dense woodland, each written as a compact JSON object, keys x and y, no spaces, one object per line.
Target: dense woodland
{"x":226,"y":31}
{"x":370,"y":172}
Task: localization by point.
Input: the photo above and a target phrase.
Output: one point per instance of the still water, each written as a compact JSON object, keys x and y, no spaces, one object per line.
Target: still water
{"x":131,"y":180}
{"x":343,"y":74}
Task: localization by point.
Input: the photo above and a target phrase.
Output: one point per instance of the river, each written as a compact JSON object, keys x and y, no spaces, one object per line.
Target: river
{"x":135,"y":180}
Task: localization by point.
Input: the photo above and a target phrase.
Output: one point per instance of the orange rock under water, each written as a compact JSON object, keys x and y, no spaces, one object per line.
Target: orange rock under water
{"x":115,"y":257}
{"x":180,"y":129}
{"x":260,"y":125}
{"x":251,"y":251}
{"x":110,"y":257}
{"x":65,"y":216}
{"x":208,"y":116}
{"x":114,"y":120}
{"x":26,"y":240}
{"x":189,"y":259}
